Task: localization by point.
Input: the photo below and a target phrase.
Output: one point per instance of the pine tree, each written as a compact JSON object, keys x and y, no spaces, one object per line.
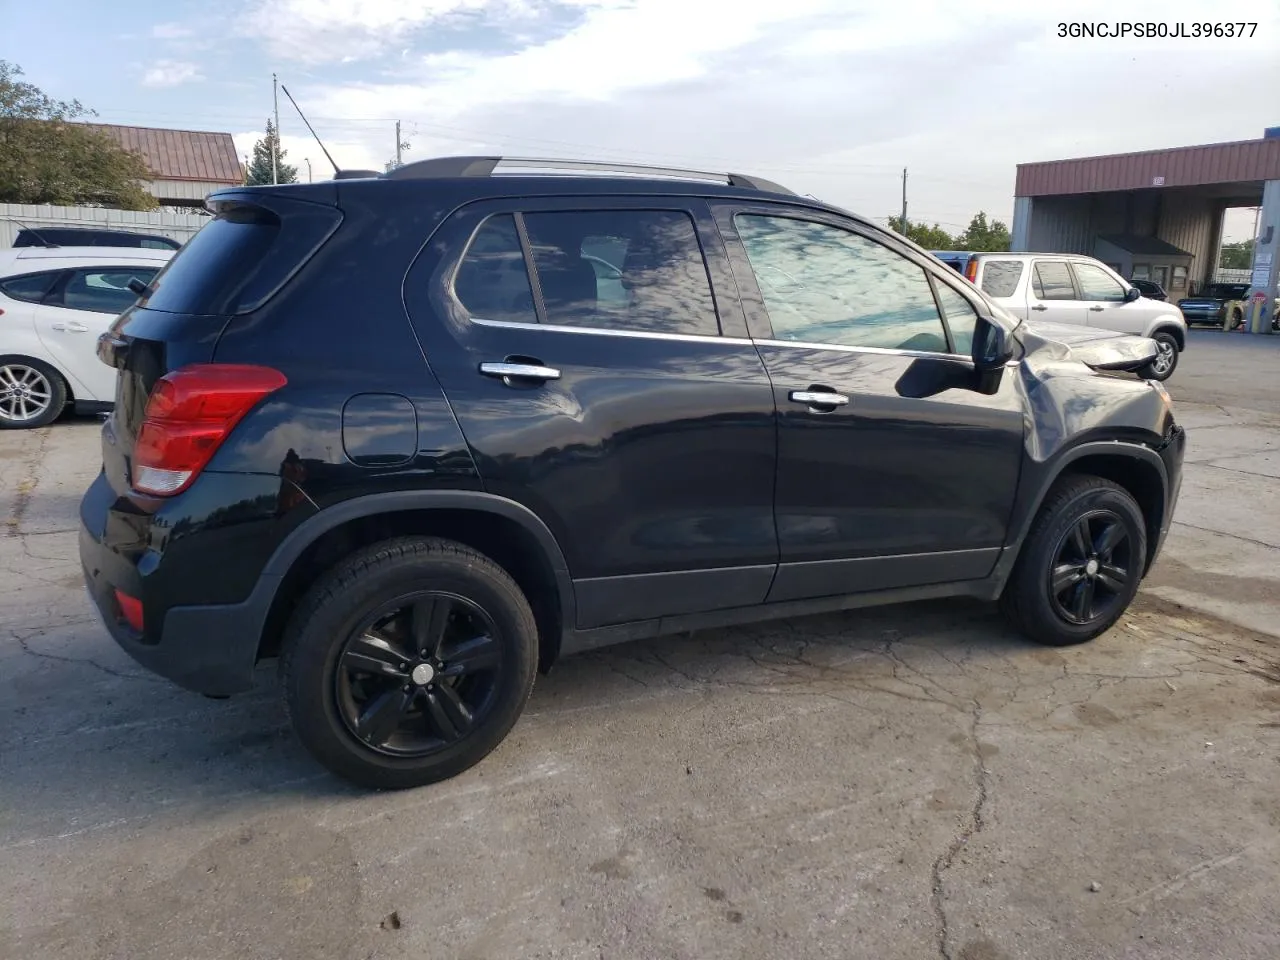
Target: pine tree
{"x":259,"y":171}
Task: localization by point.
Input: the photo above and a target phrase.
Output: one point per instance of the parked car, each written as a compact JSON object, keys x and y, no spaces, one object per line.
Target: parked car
{"x":1210,"y":304}
{"x":400,"y":432}
{"x":54,"y":303}
{"x":91,"y":237}
{"x":1064,"y":288}
{"x":1150,"y":289}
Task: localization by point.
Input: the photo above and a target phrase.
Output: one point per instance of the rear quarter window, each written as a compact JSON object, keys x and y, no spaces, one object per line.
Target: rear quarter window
{"x":243,"y":256}
{"x":1000,"y":277}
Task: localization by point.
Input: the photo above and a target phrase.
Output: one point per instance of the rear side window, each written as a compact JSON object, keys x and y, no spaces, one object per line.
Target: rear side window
{"x":492,"y":282}
{"x":104,"y":290}
{"x":1000,"y":277}
{"x":31,"y":287}
{"x":238,"y":260}
{"x":623,"y":270}
{"x":1053,"y":281}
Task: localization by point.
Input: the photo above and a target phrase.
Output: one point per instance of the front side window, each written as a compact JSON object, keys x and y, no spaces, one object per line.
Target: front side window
{"x":1000,"y":277}
{"x":961,"y":318}
{"x":1097,"y":284}
{"x":622,"y":270}
{"x":492,"y":282}
{"x":1053,"y":281}
{"x":30,"y":287}
{"x":104,"y":290}
{"x":822,"y":284}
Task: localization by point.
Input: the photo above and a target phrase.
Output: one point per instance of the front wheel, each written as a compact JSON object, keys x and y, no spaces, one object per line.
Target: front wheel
{"x":1080,"y":565}
{"x":409,"y":662}
{"x":1165,"y":361}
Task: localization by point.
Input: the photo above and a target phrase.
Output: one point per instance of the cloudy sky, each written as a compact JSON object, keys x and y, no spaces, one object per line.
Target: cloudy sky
{"x":830,"y":97}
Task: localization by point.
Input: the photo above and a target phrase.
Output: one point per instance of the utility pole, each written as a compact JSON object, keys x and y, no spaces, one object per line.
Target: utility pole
{"x":903,"y":225}
{"x":308,"y":159}
{"x":398,"y":143}
{"x":275,"y":147}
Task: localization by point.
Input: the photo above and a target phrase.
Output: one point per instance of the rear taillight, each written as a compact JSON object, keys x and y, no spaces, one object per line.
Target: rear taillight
{"x":190,"y":413}
{"x":130,"y":610}
{"x":971,"y":270}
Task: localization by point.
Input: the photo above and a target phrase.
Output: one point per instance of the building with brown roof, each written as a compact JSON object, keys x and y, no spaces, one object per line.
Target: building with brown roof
{"x":1156,"y":214}
{"x":186,"y":165}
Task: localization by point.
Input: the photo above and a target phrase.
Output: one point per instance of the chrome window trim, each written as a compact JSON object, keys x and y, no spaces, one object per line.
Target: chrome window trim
{"x":606,"y":332}
{"x":702,"y":338}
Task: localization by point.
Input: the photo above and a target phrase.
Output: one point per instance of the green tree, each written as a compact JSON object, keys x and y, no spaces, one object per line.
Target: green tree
{"x":931,"y":238}
{"x":45,"y":157}
{"x":1237,"y":256}
{"x":260,"y":166}
{"x":983,"y":236}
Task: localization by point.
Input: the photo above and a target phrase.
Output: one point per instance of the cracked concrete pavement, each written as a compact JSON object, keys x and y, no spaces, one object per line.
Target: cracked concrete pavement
{"x":907,"y":782}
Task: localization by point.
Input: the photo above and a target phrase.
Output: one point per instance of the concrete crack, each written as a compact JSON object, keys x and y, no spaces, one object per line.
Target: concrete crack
{"x":974,"y":825}
{"x":26,"y":648}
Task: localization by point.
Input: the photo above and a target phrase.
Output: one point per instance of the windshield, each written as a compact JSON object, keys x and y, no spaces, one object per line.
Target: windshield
{"x":1226,"y":291}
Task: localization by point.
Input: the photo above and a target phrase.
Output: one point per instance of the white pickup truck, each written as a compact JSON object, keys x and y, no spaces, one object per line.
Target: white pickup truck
{"x":1067,"y":288}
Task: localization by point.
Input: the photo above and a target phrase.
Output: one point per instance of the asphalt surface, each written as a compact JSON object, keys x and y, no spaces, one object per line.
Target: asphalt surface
{"x":907,"y":782}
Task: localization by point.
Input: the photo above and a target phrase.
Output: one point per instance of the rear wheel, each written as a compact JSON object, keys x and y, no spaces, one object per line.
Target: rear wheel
{"x":1166,"y":359}
{"x":32,"y":393}
{"x":409,"y":663}
{"x":1237,"y":318}
{"x":1081,"y":564}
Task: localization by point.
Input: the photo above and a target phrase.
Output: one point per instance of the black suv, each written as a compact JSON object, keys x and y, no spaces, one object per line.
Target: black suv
{"x":417,"y":435}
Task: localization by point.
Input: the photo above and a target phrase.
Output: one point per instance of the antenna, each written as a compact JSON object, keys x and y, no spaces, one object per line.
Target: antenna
{"x":309,"y":127}
{"x":34,"y":231}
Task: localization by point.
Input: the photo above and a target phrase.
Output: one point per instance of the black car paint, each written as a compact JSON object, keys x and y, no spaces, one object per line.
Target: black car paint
{"x":367,"y":331}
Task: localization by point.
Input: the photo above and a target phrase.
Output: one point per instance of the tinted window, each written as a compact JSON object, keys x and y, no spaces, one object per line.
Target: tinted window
{"x":961,"y":317}
{"x":1000,"y":277}
{"x":31,"y":287}
{"x":241,"y":257}
{"x":1226,"y":291}
{"x":622,"y":269}
{"x":1097,"y":284}
{"x":104,"y":290}
{"x":492,"y":282}
{"x":822,"y":284}
{"x":1053,"y":281}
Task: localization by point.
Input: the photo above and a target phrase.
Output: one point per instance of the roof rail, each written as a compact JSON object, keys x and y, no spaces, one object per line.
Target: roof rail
{"x":444,"y":167}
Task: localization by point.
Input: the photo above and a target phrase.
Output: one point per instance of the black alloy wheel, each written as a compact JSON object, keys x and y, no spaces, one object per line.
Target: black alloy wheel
{"x":420,"y":675}
{"x":1092,"y":568}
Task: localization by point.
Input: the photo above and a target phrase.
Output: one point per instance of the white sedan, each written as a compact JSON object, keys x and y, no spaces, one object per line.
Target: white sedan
{"x":54,"y":304}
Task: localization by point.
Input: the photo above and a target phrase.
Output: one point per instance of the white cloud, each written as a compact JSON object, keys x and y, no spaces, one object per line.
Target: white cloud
{"x":171,"y":73}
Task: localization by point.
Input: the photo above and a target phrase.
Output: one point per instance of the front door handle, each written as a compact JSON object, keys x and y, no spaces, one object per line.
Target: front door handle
{"x":1039,"y":306}
{"x":71,"y":326}
{"x":821,"y":400}
{"x":513,"y":373}
{"x":1097,"y":308}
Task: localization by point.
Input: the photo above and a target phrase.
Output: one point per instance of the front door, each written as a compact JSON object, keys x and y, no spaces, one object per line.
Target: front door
{"x":596,"y":357}
{"x":1104,"y":296}
{"x":77,"y":312}
{"x":892,"y":470}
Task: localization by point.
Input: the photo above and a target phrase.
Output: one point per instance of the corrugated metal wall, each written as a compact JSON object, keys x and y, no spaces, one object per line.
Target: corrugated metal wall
{"x":1189,"y":223}
{"x":13,"y":216}
{"x":1060,"y":225}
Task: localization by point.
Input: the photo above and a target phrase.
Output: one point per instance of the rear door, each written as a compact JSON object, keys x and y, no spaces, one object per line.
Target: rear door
{"x":1052,"y":294}
{"x":1105,"y":296}
{"x":596,"y":357}
{"x":77,"y":312}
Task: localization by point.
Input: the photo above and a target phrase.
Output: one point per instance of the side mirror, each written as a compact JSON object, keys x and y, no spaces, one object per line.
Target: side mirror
{"x":992,"y":349}
{"x":1132,"y":294}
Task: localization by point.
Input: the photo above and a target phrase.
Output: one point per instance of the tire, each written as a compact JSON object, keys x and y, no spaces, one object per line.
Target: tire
{"x":32,"y":393}
{"x":351,"y":670}
{"x":1076,"y":503}
{"x":1237,"y":319}
{"x":1166,"y":361}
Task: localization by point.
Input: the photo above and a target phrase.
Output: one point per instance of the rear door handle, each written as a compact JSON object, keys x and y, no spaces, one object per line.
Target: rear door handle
{"x":513,"y":372}
{"x":1039,"y":306}
{"x":818,"y":398}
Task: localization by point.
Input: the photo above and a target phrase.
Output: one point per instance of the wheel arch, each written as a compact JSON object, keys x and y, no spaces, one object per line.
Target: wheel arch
{"x":507,"y":532}
{"x":1136,"y":468}
{"x":1177,"y":332}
